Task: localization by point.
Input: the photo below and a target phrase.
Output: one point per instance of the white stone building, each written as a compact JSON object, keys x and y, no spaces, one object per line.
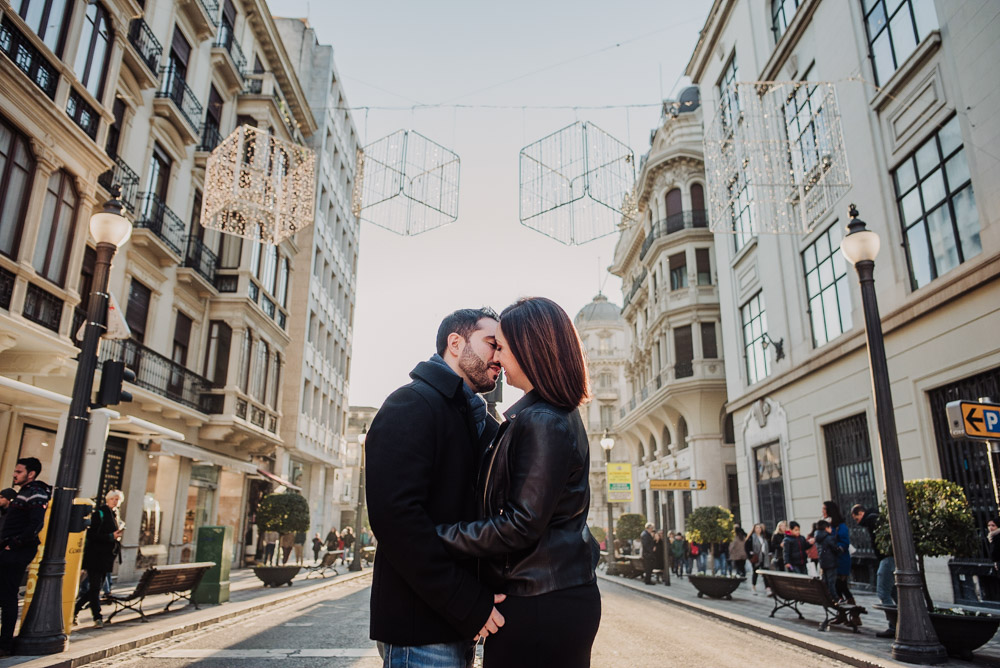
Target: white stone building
{"x":918,"y":86}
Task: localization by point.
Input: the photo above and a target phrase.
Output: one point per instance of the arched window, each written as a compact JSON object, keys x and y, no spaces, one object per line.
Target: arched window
{"x":46,"y":18}
{"x":697,"y":197}
{"x":674,"y":205}
{"x":682,"y":434}
{"x":17,"y":166}
{"x":56,"y":228}
{"x":665,"y":438}
{"x":94,"y":50}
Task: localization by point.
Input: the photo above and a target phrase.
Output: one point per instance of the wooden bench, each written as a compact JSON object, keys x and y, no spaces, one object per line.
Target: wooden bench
{"x":326,"y":564}
{"x":178,"y":580}
{"x":790,"y":589}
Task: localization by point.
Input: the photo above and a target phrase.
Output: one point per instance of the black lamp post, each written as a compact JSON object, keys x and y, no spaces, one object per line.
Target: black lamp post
{"x":915,"y":641}
{"x":606,"y":444}
{"x":42,"y":631}
{"x":356,"y":562}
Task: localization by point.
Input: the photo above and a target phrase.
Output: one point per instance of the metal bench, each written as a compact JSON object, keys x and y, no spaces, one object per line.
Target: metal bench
{"x":326,"y":564}
{"x":368,"y":554}
{"x":178,"y":580}
{"x":790,"y":589}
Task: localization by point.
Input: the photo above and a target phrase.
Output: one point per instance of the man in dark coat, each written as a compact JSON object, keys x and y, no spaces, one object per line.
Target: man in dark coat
{"x":885,"y":578}
{"x":648,"y":562}
{"x":99,"y":553}
{"x":19,"y":541}
{"x":422,"y":456}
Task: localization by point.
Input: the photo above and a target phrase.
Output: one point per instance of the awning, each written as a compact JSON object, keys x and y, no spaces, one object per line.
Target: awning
{"x":134,"y":427}
{"x":170,"y":447}
{"x":278,"y":481}
{"x":18,"y":393}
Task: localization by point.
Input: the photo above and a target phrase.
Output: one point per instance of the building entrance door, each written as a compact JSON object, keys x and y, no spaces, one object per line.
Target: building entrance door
{"x":770,"y":485}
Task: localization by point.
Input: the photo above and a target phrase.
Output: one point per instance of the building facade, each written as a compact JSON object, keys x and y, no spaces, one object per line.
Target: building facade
{"x":602,"y":332}
{"x":916,"y":102}
{"x":115,"y":95}
{"x":673,"y":421}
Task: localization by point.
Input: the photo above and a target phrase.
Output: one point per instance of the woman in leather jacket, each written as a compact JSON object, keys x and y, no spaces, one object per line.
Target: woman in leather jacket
{"x":532,"y":537}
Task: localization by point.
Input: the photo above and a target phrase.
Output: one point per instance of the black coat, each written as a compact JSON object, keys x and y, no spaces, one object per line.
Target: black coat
{"x":648,"y":543}
{"x":101,"y":548}
{"x":870,"y":522}
{"x":422,"y":454}
{"x":533,"y":537}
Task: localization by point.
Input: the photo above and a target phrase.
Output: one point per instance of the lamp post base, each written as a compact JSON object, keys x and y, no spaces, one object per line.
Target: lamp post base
{"x":355,"y":565}
{"x":925,"y":654}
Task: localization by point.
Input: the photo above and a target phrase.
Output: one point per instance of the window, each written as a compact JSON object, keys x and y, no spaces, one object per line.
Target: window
{"x":607,"y":417}
{"x":260,"y":362}
{"x":115,"y":128}
{"x":245,"y":361}
{"x":729,"y":99}
{"x":230,"y":250}
{"x":137,"y":312}
{"x":754,"y":327}
{"x":937,"y":206}
{"x":46,"y":18}
{"x":182,"y":338}
{"x":895,"y":28}
{"x":782,"y":12}
{"x":770,"y":487}
{"x":678,"y":272}
{"x":741,"y":195}
{"x":826,"y":287}
{"x":16,"y":169}
{"x":703,"y":261}
{"x":56,"y":230}
{"x":272,"y":389}
{"x":269,"y":268}
{"x":255,"y":258}
{"x":805,"y":125}
{"x":674,"y":203}
{"x":282,"y":291}
{"x":220,"y":337}
{"x":684,"y":350}
{"x":94,"y":50}
{"x":709,"y":347}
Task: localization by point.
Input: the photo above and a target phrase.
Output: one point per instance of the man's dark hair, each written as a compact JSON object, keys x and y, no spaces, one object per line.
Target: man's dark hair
{"x":857,"y":508}
{"x":463,"y":322}
{"x":793,"y":525}
{"x":31,"y":464}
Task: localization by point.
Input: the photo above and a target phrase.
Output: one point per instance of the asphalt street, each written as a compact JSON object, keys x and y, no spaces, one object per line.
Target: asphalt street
{"x":330,"y":629}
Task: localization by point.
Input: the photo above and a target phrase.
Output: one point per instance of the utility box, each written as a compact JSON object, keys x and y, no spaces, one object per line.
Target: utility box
{"x":214,"y":544}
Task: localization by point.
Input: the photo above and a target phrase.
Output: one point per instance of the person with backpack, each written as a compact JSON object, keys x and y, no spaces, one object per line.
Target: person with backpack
{"x":794,"y":548}
{"x":100,"y":550}
{"x":829,"y":555}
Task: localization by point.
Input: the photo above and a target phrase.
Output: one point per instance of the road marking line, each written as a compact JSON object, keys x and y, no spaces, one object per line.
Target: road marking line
{"x":297,"y":624}
{"x":265,"y":653}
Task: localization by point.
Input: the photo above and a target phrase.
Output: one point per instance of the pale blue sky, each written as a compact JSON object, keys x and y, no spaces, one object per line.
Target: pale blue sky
{"x":524,"y":54}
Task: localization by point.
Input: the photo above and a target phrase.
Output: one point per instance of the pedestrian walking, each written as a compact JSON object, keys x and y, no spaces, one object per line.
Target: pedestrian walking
{"x":757,"y":549}
{"x":775,"y":548}
{"x":659,"y":552}
{"x":832,"y":514}
{"x":829,"y":553}
{"x":738,"y":551}
{"x":101,"y":548}
{"x":332,"y":540}
{"x":6,"y":496}
{"x":647,"y":540}
{"x":678,"y":550}
{"x":347,"y":536}
{"x":270,"y":541}
{"x":19,"y":541}
{"x":794,"y":548}
{"x":286,"y":542}
{"x":720,"y":558}
{"x":299,"y":546}
{"x":993,"y":538}
{"x":812,"y":554}
{"x":885,"y":578}
{"x":317,"y":546}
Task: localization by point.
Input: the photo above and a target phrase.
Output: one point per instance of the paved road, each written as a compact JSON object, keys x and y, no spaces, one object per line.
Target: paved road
{"x":330,"y":630}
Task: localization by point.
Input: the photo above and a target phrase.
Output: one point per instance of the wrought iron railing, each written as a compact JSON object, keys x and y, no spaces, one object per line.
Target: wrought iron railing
{"x":155,"y":372}
{"x":210,"y":136}
{"x":28,"y":59}
{"x":212,"y":9}
{"x":82,"y":114}
{"x":200,"y":258}
{"x":121,"y":175}
{"x":685,"y":220}
{"x":141,"y":37}
{"x":253,"y":83}
{"x":42,"y":308}
{"x":227,"y":40}
{"x":157,"y":217}
{"x":227,"y":282}
{"x":683,"y":369}
{"x":175,"y":88}
{"x":6,"y":288}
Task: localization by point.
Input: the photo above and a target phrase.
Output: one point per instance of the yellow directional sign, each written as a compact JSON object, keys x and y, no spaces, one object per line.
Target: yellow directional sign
{"x":972,"y":419}
{"x":619,"y":483}
{"x":662,"y":485}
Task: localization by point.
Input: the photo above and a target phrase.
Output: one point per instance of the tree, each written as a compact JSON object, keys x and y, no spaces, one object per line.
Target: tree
{"x":710,"y":524}
{"x":284,"y":513}
{"x":941,"y":520}
{"x":598,"y":533}
{"x":629,"y":526}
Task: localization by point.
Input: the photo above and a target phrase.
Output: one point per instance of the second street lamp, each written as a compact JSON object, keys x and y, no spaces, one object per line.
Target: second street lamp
{"x":606,"y":444}
{"x":915,"y":641}
{"x":358,"y":520}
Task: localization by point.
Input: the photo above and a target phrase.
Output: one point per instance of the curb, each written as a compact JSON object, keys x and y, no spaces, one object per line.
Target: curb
{"x":70,"y":660}
{"x":811,"y":643}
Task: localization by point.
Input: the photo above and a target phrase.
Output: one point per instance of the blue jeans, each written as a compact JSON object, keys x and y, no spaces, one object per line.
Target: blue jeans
{"x":885,"y":581}
{"x":442,"y":655}
{"x":720,"y":564}
{"x":702,"y":561}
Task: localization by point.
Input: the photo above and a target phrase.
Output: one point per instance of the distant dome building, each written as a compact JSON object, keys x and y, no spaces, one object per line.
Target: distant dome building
{"x":602,"y":331}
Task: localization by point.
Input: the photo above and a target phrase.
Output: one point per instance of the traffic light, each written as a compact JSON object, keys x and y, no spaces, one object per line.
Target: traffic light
{"x":112,"y":378}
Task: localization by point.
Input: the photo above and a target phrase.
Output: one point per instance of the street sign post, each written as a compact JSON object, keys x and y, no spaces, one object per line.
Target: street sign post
{"x":973,"y":419}
{"x":664,"y":485}
{"x":619,"y":482}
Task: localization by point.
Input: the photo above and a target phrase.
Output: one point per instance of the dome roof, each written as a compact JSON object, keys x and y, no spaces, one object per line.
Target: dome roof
{"x":599,"y":310}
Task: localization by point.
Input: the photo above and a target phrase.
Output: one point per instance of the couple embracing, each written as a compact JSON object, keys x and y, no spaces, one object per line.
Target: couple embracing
{"x":482,"y":526}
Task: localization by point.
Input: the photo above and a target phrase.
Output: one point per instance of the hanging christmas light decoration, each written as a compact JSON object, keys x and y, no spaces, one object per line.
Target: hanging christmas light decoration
{"x":576,"y":184}
{"x":259,"y":186}
{"x":775,"y":157}
{"x":406,"y":183}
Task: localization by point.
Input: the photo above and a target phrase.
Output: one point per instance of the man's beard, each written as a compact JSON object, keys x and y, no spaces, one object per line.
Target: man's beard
{"x":476,"y":370}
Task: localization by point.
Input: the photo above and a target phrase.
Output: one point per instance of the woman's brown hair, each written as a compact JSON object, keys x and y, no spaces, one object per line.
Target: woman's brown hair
{"x":547,"y":347}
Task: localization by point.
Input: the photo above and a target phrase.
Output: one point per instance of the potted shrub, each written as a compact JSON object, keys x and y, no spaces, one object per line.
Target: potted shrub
{"x":284,"y":513}
{"x":706,"y":525}
{"x":627,"y":529}
{"x":942,"y":526}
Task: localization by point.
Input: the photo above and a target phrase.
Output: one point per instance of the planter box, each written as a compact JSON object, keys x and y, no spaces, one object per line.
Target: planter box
{"x":960,"y":634}
{"x":275,"y":576}
{"x":715,"y":586}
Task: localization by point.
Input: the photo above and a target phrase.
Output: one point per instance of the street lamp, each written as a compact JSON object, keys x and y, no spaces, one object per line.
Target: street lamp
{"x":915,"y":641}
{"x":42,"y":631}
{"x":356,"y":562}
{"x":607,"y":443}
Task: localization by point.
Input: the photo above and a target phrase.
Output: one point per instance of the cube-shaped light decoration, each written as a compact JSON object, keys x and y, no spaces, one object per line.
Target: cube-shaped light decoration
{"x":576,"y":184}
{"x":259,"y":186}
{"x":407,"y":184}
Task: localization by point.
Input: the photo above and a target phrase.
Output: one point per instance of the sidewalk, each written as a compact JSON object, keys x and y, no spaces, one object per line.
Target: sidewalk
{"x":247,"y":594}
{"x":752,"y":612}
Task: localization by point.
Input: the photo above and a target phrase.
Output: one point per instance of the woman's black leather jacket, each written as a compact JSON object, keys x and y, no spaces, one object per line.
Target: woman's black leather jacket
{"x":534,"y":488}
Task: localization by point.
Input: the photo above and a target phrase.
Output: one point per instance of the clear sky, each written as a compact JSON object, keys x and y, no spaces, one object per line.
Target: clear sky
{"x":514,"y":54}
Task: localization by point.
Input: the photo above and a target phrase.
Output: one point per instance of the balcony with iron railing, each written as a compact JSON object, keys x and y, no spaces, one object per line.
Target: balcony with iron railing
{"x":176,"y":102}
{"x":203,"y":16}
{"x":236,"y":281}
{"x":685,"y":220}
{"x":261,"y":89}
{"x":228,"y":58}
{"x":165,"y":225}
{"x":711,"y":369}
{"x":210,"y":136}
{"x":200,"y":258}
{"x":636,"y":284}
{"x":155,"y":372}
{"x":18,"y":47}
{"x":125,"y":178}
{"x":147,"y":50}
